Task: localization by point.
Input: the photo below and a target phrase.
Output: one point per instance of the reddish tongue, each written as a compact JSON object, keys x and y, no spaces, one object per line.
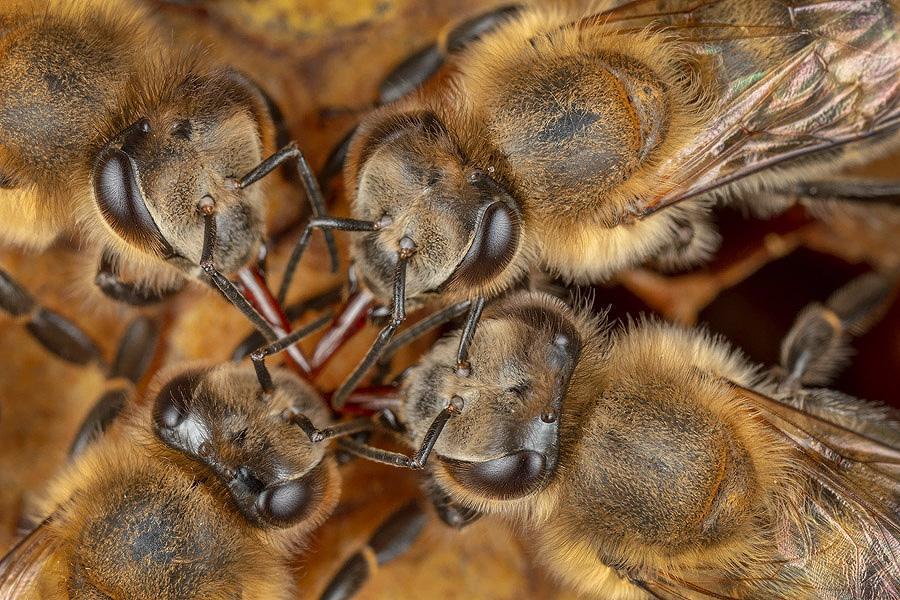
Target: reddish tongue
{"x":371,"y":400}
{"x":257,"y":292}
{"x":349,"y":320}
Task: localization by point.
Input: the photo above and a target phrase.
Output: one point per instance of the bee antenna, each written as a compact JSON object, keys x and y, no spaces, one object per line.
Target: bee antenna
{"x":206,"y":206}
{"x":418,"y":460}
{"x":291,"y":152}
{"x":259,"y":356}
{"x":398,"y":315}
{"x":296,"y":417}
{"x":327,"y":224}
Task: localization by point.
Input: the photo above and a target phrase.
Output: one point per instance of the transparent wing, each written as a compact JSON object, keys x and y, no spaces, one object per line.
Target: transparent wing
{"x":794,"y":78}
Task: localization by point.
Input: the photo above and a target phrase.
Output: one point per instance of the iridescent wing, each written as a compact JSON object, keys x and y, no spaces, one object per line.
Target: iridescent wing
{"x":20,"y":567}
{"x":794,"y":77}
{"x":843,"y":538}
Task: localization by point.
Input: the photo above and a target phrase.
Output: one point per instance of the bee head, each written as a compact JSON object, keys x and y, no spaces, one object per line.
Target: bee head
{"x":504,"y":444}
{"x":219,"y":418}
{"x":187,"y":147}
{"x":407,"y":175}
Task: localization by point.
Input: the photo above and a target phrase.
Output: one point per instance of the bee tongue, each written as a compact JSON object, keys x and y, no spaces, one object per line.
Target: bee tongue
{"x":350,"y":318}
{"x":257,"y":291}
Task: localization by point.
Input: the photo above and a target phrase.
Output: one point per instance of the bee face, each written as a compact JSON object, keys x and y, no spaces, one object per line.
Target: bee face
{"x":414,"y":181}
{"x":219,"y":418}
{"x":149,"y":180}
{"x":505,"y":442}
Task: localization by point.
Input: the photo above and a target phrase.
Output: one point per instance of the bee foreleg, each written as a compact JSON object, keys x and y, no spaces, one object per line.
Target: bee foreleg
{"x":816,"y":345}
{"x":451,"y":513}
{"x":54,"y":332}
{"x":136,"y":350}
{"x":410,"y":74}
{"x":107,"y":279}
{"x":392,"y":538}
{"x":334,"y":164}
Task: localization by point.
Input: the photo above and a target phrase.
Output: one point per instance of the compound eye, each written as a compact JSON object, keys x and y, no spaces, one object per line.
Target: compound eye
{"x":285,"y":503}
{"x":493,"y":247}
{"x":118,"y":195}
{"x":511,"y":476}
{"x":173,"y":403}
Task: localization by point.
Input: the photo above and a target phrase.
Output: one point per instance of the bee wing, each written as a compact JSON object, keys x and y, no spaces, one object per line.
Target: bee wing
{"x":20,"y":567}
{"x":844,"y":535}
{"x":832,"y":82}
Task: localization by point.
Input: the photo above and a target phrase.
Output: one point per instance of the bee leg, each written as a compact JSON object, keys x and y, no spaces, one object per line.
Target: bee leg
{"x":691,"y":237}
{"x":398,"y":459}
{"x":324,"y":223}
{"x":415,"y":70}
{"x":398,"y":315}
{"x":465,"y":340}
{"x":403,"y":79}
{"x":53,"y":331}
{"x":334,"y":164}
{"x":473,"y":29}
{"x":407,"y":336}
{"x":293,"y":312}
{"x":453,"y":515}
{"x":136,"y":351}
{"x":310,"y":185}
{"x":107,"y":279}
{"x":418,"y":68}
{"x":392,"y":538}
{"x":845,"y":190}
{"x":817,"y":344}
{"x":259,"y":356}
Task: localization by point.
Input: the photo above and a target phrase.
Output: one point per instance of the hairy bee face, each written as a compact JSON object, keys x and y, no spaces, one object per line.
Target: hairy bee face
{"x":150,"y":179}
{"x":219,"y":418}
{"x":505,"y":442}
{"x":414,"y":182}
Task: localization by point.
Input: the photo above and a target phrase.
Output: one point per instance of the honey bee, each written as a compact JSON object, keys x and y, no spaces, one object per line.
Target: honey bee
{"x":204,"y":492}
{"x":146,"y":151}
{"x":586,"y":143}
{"x":654,"y":461}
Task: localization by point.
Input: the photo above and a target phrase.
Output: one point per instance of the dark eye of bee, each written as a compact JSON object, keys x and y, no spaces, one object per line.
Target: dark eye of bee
{"x":182,"y":129}
{"x":511,"y":476}
{"x":285,"y":503}
{"x":493,"y":247}
{"x":119,"y":196}
{"x":173,"y":402}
